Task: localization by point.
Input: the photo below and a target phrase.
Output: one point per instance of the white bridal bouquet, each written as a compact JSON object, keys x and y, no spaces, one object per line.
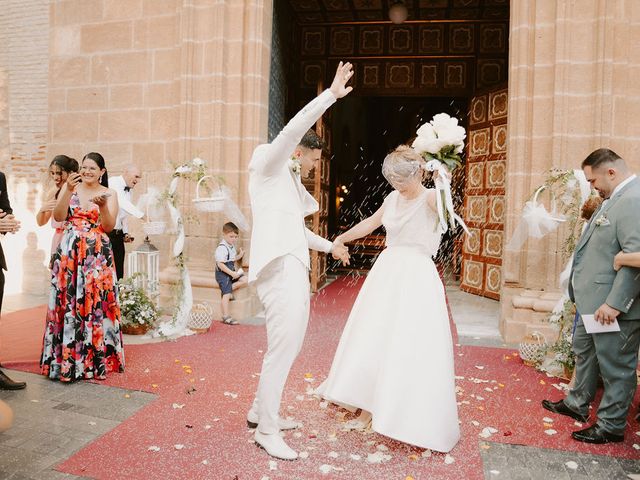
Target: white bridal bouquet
{"x":441,"y":139}
{"x":441,"y":142}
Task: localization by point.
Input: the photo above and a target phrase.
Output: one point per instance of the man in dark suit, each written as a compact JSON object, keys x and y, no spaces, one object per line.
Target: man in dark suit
{"x":8,"y":223}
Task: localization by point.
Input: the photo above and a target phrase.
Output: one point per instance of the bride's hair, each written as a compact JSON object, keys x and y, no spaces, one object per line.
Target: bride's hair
{"x":402,"y":164}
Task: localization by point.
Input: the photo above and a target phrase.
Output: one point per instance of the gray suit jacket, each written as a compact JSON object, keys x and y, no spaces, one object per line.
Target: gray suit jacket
{"x":593,"y":281}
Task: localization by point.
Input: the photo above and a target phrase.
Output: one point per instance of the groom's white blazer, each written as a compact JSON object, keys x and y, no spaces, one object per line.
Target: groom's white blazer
{"x":279,"y":201}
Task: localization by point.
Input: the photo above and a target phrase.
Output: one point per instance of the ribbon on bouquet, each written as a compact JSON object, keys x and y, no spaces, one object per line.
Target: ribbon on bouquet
{"x":444,"y":200}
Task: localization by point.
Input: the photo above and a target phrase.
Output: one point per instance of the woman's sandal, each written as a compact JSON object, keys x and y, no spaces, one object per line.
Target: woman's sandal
{"x":230,"y":321}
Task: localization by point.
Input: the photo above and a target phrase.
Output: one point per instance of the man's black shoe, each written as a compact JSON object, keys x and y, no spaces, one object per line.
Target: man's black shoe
{"x":562,"y":409}
{"x":596,"y":434}
{"x":7,"y":384}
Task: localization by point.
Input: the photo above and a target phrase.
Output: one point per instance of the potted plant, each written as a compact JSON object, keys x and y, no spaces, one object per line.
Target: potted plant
{"x":138,"y":312}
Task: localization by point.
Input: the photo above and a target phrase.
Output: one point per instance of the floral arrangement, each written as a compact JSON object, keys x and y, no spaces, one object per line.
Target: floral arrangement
{"x":441,"y":139}
{"x":295,"y":166}
{"x":558,"y":358}
{"x":562,"y":349}
{"x":564,"y":186}
{"x":136,"y":308}
{"x":440,"y":142}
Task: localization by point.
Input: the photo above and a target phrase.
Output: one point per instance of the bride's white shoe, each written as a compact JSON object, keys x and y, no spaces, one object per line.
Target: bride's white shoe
{"x":283,"y":423}
{"x":275,"y":445}
{"x":362,"y":422}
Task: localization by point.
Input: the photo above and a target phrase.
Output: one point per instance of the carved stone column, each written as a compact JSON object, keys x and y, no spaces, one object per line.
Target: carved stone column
{"x":224,"y":92}
{"x":572,"y":88}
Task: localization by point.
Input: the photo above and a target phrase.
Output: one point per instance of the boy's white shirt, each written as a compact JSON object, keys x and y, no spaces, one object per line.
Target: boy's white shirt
{"x":279,"y":201}
{"x":225,"y":252}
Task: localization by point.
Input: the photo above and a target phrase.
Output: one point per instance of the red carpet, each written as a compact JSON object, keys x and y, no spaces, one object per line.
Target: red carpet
{"x":21,"y":335}
{"x":202,"y":375}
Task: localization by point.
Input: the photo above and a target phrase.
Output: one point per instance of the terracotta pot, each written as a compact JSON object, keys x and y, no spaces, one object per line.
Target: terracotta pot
{"x":134,"y":329}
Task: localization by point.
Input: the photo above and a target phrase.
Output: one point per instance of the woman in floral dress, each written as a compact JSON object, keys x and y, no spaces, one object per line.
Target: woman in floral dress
{"x":82,"y":337}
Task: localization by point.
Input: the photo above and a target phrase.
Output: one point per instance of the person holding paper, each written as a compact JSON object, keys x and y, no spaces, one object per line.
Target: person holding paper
{"x":609,"y":295}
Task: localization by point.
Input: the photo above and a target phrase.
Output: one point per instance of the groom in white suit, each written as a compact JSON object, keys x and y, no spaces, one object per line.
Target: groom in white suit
{"x":279,"y":258}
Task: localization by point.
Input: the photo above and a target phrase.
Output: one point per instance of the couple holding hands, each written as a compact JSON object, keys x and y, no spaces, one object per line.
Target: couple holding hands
{"x":395,"y":358}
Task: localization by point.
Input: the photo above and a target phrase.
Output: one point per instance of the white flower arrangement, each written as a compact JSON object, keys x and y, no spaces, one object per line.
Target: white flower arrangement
{"x":136,"y":308}
{"x":295,"y":166}
{"x":441,"y":139}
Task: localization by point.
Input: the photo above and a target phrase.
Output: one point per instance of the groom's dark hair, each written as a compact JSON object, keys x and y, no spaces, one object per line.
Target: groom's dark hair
{"x":312,"y":141}
{"x":600,"y":157}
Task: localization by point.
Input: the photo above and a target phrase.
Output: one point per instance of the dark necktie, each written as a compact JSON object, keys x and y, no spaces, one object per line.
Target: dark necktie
{"x":127,"y":189}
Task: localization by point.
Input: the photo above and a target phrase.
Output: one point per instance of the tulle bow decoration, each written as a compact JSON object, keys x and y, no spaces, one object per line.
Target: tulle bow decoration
{"x":444,"y":200}
{"x":536,"y":221}
{"x":232,"y":211}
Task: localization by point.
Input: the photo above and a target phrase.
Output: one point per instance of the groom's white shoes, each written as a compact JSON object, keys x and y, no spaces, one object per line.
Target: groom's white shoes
{"x":283,"y":423}
{"x":275,"y":445}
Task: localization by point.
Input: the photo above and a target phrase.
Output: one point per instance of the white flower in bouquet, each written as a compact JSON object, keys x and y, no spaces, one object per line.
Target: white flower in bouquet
{"x":183,"y":169}
{"x":441,"y":139}
{"x":198,"y":162}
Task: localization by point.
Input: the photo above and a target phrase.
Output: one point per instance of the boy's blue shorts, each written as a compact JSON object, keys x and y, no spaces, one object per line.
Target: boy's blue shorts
{"x":225,"y":281}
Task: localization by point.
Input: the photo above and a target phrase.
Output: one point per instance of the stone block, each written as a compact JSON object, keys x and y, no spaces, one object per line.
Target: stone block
{"x":124,"y":125}
{"x":126,"y":96}
{"x":156,"y":32}
{"x":65,"y":41}
{"x":114,"y":153}
{"x":148,"y":153}
{"x":122,"y":9}
{"x":72,"y":71}
{"x":160,"y":7}
{"x":162,"y":94}
{"x":106,"y":37}
{"x":164,"y":123}
{"x":87,"y":99}
{"x":74,"y":127}
{"x":166,"y":65}
{"x":57,"y":100}
{"x":128,"y":67}
{"x":76,"y":11}
{"x":512,"y":331}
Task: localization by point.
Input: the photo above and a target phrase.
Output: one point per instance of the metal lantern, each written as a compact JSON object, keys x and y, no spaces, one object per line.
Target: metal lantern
{"x":145,"y":260}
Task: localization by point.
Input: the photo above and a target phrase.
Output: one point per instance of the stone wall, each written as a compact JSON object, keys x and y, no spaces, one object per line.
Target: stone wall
{"x":572,"y":88}
{"x":24,"y":66}
{"x":151,"y":82}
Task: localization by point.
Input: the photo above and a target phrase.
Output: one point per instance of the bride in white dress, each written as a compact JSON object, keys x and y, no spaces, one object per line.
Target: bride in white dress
{"x":395,"y":357}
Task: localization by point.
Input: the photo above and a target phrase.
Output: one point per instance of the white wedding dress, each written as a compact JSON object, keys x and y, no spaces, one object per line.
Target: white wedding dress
{"x":395,"y":357}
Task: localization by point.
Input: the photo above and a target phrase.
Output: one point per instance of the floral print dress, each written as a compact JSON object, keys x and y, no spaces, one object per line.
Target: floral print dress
{"x":82,"y":337}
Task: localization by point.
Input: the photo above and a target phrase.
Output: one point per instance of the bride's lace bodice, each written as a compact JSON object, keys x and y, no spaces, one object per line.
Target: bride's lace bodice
{"x":411,"y":223}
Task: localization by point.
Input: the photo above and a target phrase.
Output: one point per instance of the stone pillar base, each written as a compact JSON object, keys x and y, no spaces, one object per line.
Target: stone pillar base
{"x":524,"y":311}
{"x":205,"y":290}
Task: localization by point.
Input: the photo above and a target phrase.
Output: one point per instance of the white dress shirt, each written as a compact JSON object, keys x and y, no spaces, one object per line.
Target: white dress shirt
{"x":124,"y":201}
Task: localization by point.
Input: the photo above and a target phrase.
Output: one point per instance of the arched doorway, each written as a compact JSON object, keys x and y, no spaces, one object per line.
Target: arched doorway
{"x":447,"y":53}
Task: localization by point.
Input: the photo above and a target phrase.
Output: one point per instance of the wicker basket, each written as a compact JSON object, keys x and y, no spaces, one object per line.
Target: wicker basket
{"x":532,"y":348}
{"x":214,"y":203}
{"x":135,"y":329}
{"x":154,"y":228}
{"x":200,"y":317}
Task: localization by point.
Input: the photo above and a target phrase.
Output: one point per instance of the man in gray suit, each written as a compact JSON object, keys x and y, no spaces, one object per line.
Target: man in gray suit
{"x":596,"y":288}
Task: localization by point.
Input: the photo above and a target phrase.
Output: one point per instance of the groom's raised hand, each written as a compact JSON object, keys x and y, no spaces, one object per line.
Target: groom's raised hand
{"x":339,"y":85}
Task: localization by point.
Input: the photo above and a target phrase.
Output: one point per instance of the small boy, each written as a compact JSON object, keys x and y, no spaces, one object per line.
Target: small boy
{"x":226,"y":275}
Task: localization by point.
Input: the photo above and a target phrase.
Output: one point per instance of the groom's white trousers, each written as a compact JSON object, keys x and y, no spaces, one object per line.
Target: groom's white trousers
{"x":283,"y":289}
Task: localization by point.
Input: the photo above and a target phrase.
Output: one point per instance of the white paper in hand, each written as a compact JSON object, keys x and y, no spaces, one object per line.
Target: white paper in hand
{"x":591,"y":325}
